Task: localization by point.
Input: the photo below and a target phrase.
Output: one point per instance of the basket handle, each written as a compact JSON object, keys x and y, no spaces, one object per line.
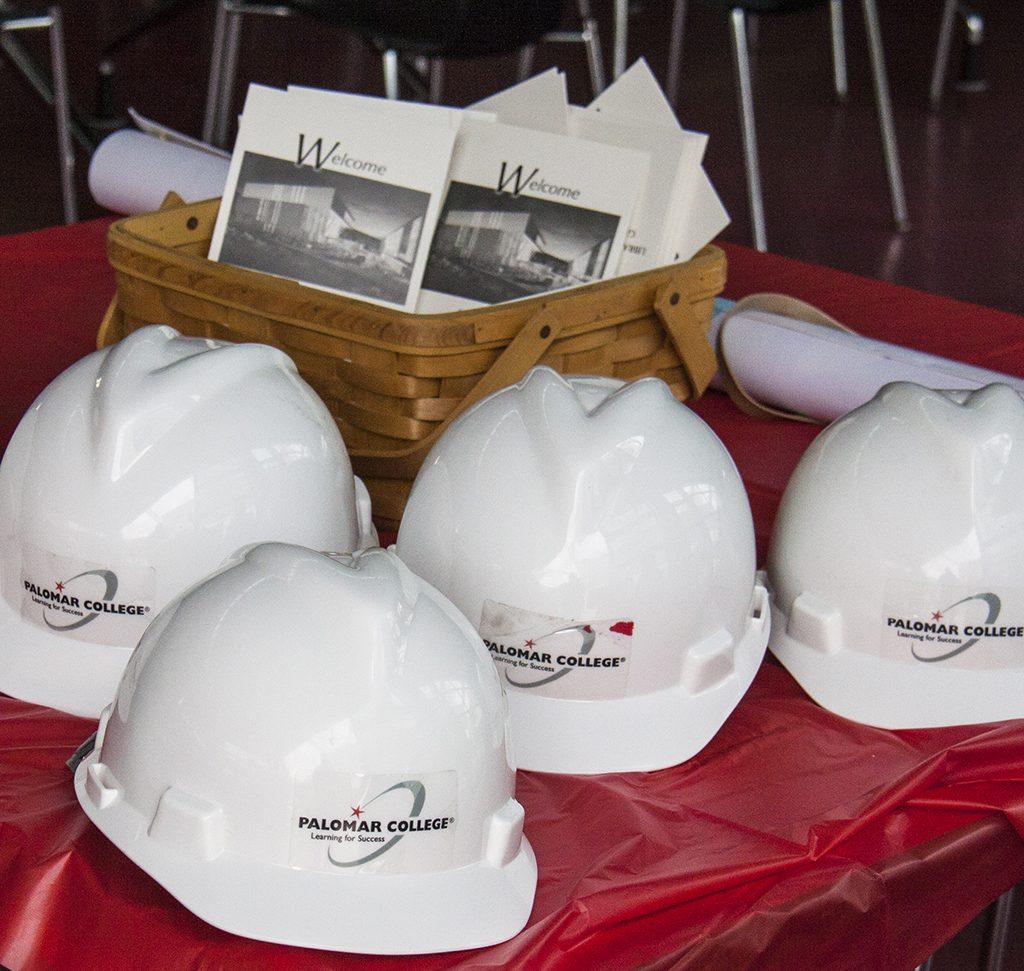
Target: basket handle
{"x":111,"y":327}
{"x":524,"y":350}
{"x":687,"y":332}
{"x":521,"y":354}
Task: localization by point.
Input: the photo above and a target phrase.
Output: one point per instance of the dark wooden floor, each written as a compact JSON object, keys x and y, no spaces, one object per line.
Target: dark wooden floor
{"x":824,"y":182}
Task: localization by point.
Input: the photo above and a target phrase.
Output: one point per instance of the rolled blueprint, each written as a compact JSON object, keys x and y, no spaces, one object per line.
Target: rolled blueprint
{"x":132,"y":172}
{"x":823,"y":373}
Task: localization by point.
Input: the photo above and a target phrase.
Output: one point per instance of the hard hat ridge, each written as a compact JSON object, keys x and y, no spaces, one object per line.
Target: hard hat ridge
{"x":148,"y":384}
{"x":933,"y":414}
{"x":995,"y":397}
{"x":566,"y":415}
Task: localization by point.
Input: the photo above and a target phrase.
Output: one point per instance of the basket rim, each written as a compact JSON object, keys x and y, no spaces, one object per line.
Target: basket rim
{"x":128,"y":234}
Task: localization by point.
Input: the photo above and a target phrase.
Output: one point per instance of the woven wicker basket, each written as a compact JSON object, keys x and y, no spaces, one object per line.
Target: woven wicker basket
{"x":394,"y":380}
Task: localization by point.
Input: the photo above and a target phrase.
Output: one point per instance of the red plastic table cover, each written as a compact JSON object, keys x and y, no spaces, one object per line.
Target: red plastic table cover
{"x":796,"y":839}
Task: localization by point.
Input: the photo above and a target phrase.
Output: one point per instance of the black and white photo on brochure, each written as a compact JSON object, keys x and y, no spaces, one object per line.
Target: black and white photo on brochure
{"x":494,"y":246}
{"x":330,"y":229}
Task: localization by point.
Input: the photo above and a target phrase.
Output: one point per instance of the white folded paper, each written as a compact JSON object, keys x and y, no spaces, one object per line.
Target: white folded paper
{"x":390,"y":112}
{"x":527,"y":212}
{"x":540,"y":102}
{"x":665,"y":200}
{"x":340,"y":193}
{"x":132,"y":172}
{"x":636,"y":98}
{"x":824,"y":373}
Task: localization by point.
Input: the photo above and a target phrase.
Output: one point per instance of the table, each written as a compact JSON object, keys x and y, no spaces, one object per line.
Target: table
{"x":796,"y":839}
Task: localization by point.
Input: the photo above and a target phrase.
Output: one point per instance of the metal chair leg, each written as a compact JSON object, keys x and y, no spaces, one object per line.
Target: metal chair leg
{"x":675,"y":52}
{"x":62,"y":111}
{"x":999,"y":932}
{"x":942,"y":52}
{"x":885,"y":119}
{"x":835,"y":9}
{"x":526,"y":56}
{"x":435,"y":74}
{"x":971,"y":78}
{"x":389,"y":60}
{"x":620,"y":42}
{"x":216,"y":69}
{"x":744,"y":89}
{"x":229,"y":72}
{"x":53,"y":90}
{"x":592,"y":42}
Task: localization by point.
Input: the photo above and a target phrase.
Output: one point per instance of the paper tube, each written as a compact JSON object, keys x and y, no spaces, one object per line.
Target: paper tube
{"x":131,"y":172}
{"x":823,"y":373}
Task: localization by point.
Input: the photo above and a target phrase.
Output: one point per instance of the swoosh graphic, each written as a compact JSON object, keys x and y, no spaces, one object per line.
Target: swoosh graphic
{"x":589,"y":637}
{"x":994,"y":606}
{"x":419,"y":796}
{"x":108,"y":577}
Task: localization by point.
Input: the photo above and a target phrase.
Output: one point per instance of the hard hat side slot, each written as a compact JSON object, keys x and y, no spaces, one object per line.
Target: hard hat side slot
{"x":188,"y":823}
{"x":505,"y":835}
{"x":101,"y":786}
{"x":708,"y":662}
{"x":816,"y":623}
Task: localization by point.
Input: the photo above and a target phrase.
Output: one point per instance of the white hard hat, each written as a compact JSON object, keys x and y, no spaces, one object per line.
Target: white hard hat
{"x":602,"y":541}
{"x":134,"y":473}
{"x":897,"y":563}
{"x":311,"y":750}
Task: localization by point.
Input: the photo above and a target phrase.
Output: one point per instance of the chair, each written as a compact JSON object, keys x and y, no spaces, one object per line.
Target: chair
{"x":53,"y":90}
{"x":738,"y":12}
{"x":413,"y":38}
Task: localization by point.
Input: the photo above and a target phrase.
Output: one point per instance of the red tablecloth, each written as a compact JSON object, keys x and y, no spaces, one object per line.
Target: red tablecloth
{"x":794,"y":840}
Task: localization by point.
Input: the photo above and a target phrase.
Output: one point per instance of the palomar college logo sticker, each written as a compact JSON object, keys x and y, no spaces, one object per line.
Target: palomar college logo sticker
{"x":383,"y":823}
{"x":971,"y":631}
{"x":85,"y":601}
{"x":555,"y":657}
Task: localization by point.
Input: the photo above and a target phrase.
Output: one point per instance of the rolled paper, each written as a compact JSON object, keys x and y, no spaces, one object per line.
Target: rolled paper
{"x":132,"y":172}
{"x":824,"y":373}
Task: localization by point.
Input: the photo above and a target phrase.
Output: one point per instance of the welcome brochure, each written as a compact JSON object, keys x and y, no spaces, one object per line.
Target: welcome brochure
{"x":527,"y":212}
{"x":344,"y":198}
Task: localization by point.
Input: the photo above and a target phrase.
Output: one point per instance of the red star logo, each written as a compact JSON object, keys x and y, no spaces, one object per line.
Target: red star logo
{"x":937,"y":615}
{"x":357,"y":811}
{"x":59,"y":586}
{"x":531,"y":643}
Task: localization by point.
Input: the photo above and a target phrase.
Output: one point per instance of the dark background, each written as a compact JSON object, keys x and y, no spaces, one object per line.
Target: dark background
{"x":825,"y":191}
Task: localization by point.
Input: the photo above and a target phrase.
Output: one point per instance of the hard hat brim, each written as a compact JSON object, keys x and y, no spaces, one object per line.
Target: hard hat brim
{"x":42,"y":668}
{"x":639,"y":733}
{"x":893,"y":694}
{"x":367,"y":913}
